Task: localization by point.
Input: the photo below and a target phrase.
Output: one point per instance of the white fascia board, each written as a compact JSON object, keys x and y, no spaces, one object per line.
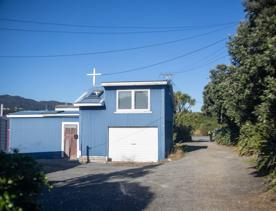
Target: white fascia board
{"x":85,"y":93}
{"x":50,"y":115}
{"x":39,"y":115}
{"x":66,"y":109}
{"x":138,"y":83}
{"x":88,"y":104}
{"x":27,"y":115}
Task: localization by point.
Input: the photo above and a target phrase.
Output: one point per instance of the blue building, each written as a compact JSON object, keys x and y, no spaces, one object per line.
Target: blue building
{"x":122,"y":121}
{"x":41,"y":134}
{"x":3,"y":133}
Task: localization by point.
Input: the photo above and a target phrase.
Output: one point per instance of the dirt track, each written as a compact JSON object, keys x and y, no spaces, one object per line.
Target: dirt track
{"x":208,"y":177}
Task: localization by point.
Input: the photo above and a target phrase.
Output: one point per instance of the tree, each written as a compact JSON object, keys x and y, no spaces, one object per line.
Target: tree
{"x":219,"y":101}
{"x":183,"y":102}
{"x":243,"y":94}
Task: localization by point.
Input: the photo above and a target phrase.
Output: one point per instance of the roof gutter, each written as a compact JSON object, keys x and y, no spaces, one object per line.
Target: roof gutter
{"x":87,"y":104}
{"x":40,"y":115}
{"x":137,"y":83}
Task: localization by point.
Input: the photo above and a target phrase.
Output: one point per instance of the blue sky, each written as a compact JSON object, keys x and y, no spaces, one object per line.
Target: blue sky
{"x":64,"y":78}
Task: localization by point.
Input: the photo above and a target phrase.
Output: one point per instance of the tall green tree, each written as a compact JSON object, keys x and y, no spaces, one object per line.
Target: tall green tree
{"x":243,"y":95}
{"x":183,"y":102}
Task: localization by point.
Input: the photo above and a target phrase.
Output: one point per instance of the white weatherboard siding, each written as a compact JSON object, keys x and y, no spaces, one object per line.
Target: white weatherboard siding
{"x":133,"y":144}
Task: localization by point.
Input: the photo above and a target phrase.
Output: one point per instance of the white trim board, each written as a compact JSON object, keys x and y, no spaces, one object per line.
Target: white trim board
{"x":39,"y":115}
{"x":137,"y":83}
{"x":62,"y":137}
{"x":66,"y":109}
{"x":88,"y":104}
{"x":80,"y":97}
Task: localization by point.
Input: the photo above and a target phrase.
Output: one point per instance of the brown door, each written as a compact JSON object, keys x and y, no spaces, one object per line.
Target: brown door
{"x":70,"y":141}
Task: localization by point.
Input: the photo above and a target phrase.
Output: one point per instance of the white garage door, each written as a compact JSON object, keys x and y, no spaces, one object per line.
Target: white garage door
{"x":133,"y":144}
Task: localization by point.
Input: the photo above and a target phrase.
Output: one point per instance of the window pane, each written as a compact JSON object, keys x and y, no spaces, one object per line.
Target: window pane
{"x":141,"y":100}
{"x":125,"y":100}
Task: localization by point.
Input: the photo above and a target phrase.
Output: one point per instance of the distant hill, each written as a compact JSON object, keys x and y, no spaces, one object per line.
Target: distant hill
{"x":17,"y":103}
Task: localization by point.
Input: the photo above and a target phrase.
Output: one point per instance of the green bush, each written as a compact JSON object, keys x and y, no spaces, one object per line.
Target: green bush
{"x":223,"y":136}
{"x":249,"y":140}
{"x":187,"y":124}
{"x":182,"y":131}
{"x":21,"y":182}
{"x":207,"y":124}
{"x":266,"y":161}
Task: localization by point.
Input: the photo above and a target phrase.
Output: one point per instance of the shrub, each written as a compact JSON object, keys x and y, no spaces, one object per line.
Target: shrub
{"x":223,"y":136}
{"x":207,"y":123}
{"x":199,"y":122}
{"x":249,"y":140}
{"x":182,"y":130}
{"x":182,"y":133}
{"x":21,"y":182}
{"x":266,"y":161}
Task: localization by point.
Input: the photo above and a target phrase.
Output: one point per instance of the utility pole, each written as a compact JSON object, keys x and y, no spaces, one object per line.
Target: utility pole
{"x":167,"y":76}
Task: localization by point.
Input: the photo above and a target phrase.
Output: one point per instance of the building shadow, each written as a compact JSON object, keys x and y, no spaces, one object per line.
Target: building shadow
{"x":199,"y":141}
{"x":191,"y":148}
{"x":53,"y":165}
{"x":102,"y":191}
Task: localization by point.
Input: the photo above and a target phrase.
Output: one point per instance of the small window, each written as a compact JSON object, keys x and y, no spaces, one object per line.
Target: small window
{"x":141,"y":100}
{"x":124,"y":100}
{"x":133,"y":101}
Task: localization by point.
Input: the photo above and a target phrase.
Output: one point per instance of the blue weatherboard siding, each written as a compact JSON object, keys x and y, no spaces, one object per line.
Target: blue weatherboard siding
{"x":94,"y":122}
{"x":38,"y":135}
{"x":3,"y":133}
{"x":169,"y":110}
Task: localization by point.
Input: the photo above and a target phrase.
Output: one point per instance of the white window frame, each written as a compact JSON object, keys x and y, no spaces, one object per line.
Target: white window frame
{"x":62,"y":137}
{"x":133,"y":109}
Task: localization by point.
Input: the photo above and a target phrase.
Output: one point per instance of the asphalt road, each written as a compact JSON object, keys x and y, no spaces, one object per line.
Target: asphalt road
{"x":208,"y":177}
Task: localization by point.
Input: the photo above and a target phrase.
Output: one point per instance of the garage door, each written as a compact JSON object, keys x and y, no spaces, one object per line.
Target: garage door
{"x":133,"y":144}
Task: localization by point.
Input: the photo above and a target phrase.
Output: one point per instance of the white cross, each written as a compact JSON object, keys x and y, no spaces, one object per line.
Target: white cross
{"x":94,"y":74}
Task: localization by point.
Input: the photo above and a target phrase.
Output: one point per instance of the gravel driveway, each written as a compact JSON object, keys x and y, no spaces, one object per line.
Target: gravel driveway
{"x":209,"y":177}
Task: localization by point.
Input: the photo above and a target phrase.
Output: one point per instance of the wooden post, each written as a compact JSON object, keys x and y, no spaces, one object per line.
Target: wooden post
{"x":87,"y":154}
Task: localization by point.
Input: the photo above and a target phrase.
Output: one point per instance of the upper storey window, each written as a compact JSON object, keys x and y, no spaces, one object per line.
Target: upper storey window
{"x":133,"y":101}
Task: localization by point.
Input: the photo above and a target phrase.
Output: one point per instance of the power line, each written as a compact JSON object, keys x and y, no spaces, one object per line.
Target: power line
{"x":167,"y":60}
{"x":115,"y":50}
{"x":206,"y":59}
{"x":86,"y":32}
{"x":194,"y":68}
{"x":212,"y":55}
{"x":209,"y":61}
{"x":113,"y":27}
{"x":209,"y":58}
{"x":89,"y":32}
